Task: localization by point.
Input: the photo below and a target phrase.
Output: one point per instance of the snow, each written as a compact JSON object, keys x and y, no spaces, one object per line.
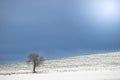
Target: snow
{"x":88,"y":67}
{"x":82,"y":75}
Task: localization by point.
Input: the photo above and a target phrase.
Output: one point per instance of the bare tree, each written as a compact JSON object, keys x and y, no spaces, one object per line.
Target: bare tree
{"x":35,"y":59}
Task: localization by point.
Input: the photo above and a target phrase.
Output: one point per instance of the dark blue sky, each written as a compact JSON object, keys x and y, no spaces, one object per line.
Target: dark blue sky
{"x":57,"y":28}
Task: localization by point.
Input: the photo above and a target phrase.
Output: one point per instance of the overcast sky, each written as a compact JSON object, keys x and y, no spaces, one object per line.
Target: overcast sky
{"x":57,"y":28}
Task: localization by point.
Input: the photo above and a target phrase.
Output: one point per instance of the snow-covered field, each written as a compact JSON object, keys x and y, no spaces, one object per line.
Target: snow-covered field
{"x":88,"y":67}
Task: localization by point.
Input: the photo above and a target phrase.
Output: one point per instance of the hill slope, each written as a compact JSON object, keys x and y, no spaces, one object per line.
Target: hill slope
{"x":88,"y":67}
{"x":107,"y":61}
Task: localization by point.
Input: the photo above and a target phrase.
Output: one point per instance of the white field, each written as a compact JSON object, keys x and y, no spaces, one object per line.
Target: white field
{"x":88,"y":67}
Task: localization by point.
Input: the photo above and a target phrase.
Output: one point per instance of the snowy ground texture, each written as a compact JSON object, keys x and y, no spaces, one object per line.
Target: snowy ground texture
{"x":88,"y":67}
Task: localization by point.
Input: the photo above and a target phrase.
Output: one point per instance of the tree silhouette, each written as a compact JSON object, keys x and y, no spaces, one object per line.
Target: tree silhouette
{"x":35,"y":59}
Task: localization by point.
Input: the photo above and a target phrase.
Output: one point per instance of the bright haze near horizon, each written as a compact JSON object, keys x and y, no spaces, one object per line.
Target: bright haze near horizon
{"x":57,"y":28}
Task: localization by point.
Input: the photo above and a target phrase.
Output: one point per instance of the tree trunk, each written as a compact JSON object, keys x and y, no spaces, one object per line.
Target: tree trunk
{"x":34,"y":66}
